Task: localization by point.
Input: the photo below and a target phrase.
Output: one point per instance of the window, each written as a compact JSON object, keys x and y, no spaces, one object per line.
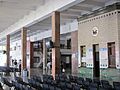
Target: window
{"x":83,"y":51}
{"x":69,"y":44}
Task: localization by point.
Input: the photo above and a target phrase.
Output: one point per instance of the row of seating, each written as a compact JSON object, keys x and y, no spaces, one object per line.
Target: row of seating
{"x":8,"y":69}
{"x":46,"y":82}
{"x":75,"y":83}
{"x":13,"y":84}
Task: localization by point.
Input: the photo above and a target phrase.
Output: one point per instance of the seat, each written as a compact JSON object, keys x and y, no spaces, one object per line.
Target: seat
{"x":53,"y":83}
{"x":62,"y":85}
{"x":89,"y":80}
{"x":86,"y":84}
{"x":1,"y":86}
{"x":92,"y":88}
{"x":37,"y":78}
{"x":56,"y":88}
{"x":6,"y":82}
{"x":104,"y":82}
{"x":116,"y":85}
{"x":93,"y":84}
{"x":26,"y":88}
{"x":34,"y":84}
{"x":69,"y":86}
{"x":101,"y":88}
{"x":79,"y":82}
{"x":71,"y":78}
{"x":57,"y":78}
{"x":80,"y":79}
{"x":51,"y":87}
{"x":49,"y":81}
{"x":97,"y":81}
{"x":20,"y":80}
{"x":76,"y":87}
{"x":67,"y":80}
{"x":45,"y":87}
{"x":17,"y":86}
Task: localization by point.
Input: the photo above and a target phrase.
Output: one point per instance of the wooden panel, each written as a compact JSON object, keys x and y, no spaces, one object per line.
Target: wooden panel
{"x":24,"y":44}
{"x":111,"y":55}
{"x":74,"y":48}
{"x":8,"y":50}
{"x":56,"y":40}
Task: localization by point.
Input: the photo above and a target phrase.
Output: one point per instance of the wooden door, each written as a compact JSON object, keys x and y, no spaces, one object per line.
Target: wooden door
{"x":96,"y":68}
{"x":111,"y":55}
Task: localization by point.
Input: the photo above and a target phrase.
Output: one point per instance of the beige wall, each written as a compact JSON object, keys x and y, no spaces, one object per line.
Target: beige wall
{"x":107,"y":25}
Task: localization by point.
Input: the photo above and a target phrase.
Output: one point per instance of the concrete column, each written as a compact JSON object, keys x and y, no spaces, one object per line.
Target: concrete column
{"x":24,"y":44}
{"x":74,"y":47}
{"x":56,"y":41}
{"x":8,"y":50}
{"x":44,"y":55}
{"x":31,"y":54}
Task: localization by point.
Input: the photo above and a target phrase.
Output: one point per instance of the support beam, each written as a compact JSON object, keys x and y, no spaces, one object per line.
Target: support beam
{"x":74,"y":44}
{"x":31,"y":54}
{"x":44,"y":56}
{"x":56,"y":41}
{"x":24,"y":44}
{"x":8,"y":50}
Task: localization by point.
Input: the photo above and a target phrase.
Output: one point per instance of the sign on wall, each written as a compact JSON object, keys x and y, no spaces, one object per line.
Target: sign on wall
{"x":94,"y":31}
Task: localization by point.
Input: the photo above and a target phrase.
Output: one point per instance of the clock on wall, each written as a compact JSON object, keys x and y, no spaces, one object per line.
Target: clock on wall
{"x":94,"y":31}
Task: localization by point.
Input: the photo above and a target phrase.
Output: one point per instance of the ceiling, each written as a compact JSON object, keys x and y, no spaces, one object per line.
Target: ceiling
{"x":12,"y":11}
{"x":72,"y":13}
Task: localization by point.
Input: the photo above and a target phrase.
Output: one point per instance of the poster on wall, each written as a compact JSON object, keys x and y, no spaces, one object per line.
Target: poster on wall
{"x":103,"y":53}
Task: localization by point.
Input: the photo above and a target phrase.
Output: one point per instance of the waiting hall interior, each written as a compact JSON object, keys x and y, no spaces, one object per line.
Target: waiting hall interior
{"x":60,"y":45}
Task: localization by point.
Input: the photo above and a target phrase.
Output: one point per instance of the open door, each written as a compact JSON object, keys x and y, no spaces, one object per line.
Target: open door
{"x":111,"y":55}
{"x":96,"y":68}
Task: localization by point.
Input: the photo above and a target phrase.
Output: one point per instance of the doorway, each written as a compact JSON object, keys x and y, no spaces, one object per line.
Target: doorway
{"x":111,"y":55}
{"x":96,"y":66}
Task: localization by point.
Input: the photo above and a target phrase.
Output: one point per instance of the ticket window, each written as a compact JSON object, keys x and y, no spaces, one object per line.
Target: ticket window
{"x":111,"y":55}
{"x":83,"y":56}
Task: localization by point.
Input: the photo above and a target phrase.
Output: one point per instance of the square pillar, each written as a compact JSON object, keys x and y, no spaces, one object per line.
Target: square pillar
{"x":8,"y":50}
{"x":31,"y":54}
{"x":24,"y":49}
{"x":56,"y":41}
{"x":74,"y":47}
{"x":44,"y":56}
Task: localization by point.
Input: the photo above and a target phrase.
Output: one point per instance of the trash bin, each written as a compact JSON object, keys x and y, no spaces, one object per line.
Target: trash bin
{"x":25,"y":73}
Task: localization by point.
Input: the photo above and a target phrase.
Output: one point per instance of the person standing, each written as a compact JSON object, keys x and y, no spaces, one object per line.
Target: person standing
{"x":49,"y":67}
{"x":15,"y":67}
{"x":19,"y":67}
{"x":15,"y":63}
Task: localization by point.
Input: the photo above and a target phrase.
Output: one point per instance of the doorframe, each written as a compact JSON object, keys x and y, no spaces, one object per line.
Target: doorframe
{"x":108,"y":55}
{"x":96,"y":69}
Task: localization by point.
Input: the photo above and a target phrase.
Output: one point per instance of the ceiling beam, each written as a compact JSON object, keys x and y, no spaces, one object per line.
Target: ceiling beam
{"x":93,"y":2}
{"x":39,"y":27}
{"x":81,"y":8}
{"x":68,"y":11}
{"x":67,"y":14}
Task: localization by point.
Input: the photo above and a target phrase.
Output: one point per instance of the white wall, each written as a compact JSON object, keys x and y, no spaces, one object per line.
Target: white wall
{"x":107,"y":32}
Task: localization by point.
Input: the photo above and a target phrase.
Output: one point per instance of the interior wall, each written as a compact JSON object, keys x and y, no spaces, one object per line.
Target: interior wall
{"x":107,"y":32}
